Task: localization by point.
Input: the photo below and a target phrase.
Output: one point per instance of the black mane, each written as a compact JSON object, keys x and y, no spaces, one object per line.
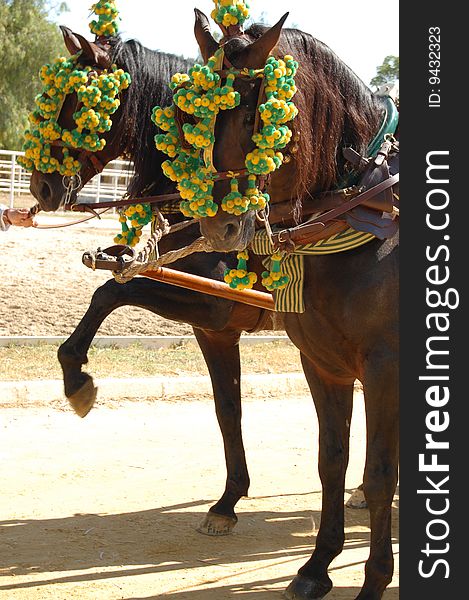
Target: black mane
{"x":336,"y":109}
{"x":151,"y":73}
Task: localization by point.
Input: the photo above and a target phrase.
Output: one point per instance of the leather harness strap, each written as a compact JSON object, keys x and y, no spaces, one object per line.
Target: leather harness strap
{"x":287,"y":238}
{"x":85,"y":206}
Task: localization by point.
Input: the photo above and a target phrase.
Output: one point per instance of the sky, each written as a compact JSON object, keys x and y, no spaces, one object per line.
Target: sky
{"x":361,"y":33}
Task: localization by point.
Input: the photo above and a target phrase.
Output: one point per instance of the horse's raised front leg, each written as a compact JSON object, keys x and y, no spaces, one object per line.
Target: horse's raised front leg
{"x":221,"y":352}
{"x":333,"y":403}
{"x":165,"y":300}
{"x":381,"y":393}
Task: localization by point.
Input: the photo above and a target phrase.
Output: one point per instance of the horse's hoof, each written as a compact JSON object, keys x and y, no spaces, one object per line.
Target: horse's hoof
{"x":83,"y":400}
{"x":302,"y":588}
{"x":357,"y":500}
{"x":215,"y":524}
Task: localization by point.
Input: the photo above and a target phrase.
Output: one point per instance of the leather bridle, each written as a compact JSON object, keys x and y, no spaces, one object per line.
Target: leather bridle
{"x":85,"y":157}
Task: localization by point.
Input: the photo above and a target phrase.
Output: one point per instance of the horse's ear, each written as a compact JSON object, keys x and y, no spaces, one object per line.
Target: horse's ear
{"x":91,"y":51}
{"x":96,"y":54}
{"x":258,"y":52}
{"x":207,"y":44}
{"x":71,"y":41}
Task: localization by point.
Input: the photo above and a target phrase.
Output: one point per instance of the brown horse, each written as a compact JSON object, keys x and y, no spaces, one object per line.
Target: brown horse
{"x":217,"y":323}
{"x":349,"y":329}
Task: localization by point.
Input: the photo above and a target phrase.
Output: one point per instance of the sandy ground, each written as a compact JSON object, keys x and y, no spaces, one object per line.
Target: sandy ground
{"x":45,"y":289}
{"x":107,"y":507}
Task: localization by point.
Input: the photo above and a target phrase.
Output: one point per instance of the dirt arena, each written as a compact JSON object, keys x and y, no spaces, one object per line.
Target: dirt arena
{"x":45,"y":288}
{"x":107,"y":507}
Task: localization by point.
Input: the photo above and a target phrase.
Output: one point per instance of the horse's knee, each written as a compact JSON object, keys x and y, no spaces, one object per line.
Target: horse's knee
{"x":229,"y":416}
{"x":379,"y":483}
{"x":333,"y":460}
{"x":69,"y":357}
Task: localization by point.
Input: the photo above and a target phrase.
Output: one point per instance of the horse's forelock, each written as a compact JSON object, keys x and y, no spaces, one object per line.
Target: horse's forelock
{"x":234,"y":46}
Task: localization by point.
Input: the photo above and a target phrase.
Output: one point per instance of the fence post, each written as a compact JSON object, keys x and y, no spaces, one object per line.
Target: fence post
{"x":98,"y":187}
{"x":12,"y":179}
{"x":115,"y":193}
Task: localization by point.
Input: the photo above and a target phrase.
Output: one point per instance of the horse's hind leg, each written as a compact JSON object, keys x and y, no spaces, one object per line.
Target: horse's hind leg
{"x":380,"y":479}
{"x":333,"y":403}
{"x":221,"y":352}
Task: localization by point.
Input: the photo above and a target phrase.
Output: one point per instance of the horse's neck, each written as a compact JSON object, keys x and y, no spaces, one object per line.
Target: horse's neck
{"x":151,"y":88}
{"x":321,"y":166}
{"x":336,"y":109}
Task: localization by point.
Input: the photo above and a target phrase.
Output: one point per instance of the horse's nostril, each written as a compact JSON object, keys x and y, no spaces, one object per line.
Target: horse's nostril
{"x":45,"y":191}
{"x":230,"y":230}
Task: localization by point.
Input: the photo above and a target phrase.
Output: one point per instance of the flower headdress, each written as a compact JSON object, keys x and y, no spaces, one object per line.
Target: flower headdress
{"x":202,"y":94}
{"x":97,"y":100}
{"x":98,"y":96}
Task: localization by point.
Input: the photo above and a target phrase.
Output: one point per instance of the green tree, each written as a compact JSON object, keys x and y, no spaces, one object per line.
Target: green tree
{"x":388,"y":71}
{"x":27,"y":41}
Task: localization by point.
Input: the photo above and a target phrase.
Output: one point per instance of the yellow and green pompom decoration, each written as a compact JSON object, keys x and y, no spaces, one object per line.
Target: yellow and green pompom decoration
{"x":235,"y":203}
{"x":263,"y":162}
{"x":178,"y":79}
{"x":257,"y":199}
{"x":106,"y":24}
{"x":133,"y":219}
{"x":201,"y":95}
{"x":230,"y":12}
{"x":200,"y":135}
{"x":240,"y":278}
{"x":99,"y":96}
{"x":275,"y":279}
{"x":196,"y":193}
{"x":275,"y":113}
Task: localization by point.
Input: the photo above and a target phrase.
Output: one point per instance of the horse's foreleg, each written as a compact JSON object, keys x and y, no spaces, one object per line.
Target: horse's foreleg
{"x":221,"y":352}
{"x":334,"y":409}
{"x":380,"y":479}
{"x":72,"y":354}
{"x":167,"y":301}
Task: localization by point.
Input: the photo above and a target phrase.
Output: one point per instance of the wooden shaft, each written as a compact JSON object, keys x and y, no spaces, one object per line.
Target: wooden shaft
{"x":210,"y":286}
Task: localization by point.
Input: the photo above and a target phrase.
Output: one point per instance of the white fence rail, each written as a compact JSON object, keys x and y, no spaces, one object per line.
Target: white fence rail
{"x":111,"y":184}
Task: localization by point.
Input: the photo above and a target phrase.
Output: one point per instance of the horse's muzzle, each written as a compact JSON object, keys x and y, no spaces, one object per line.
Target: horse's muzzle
{"x":228,"y":233}
{"x":48,"y":190}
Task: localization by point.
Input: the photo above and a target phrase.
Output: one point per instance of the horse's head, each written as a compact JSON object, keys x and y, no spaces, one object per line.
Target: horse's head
{"x":234,"y":129}
{"x":50,"y":187}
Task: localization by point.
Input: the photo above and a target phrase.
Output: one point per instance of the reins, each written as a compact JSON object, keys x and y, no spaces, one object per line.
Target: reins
{"x":84,"y":206}
{"x":70,"y":223}
{"x":278,"y":212}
